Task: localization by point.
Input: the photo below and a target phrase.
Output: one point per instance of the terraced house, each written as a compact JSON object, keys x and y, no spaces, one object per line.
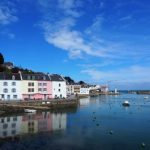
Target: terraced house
{"x":58,"y":86}
{"x":31,"y":86}
{"x":36,"y":86}
{"x":10,"y":86}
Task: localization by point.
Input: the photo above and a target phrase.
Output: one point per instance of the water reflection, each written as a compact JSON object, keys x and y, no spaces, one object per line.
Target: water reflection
{"x":12,"y":126}
{"x":84,"y":102}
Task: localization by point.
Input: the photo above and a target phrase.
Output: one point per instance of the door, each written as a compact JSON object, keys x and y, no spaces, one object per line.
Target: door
{"x":8,"y":97}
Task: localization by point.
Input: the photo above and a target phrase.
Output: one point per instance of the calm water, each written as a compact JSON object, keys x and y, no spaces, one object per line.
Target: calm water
{"x":98,"y":123}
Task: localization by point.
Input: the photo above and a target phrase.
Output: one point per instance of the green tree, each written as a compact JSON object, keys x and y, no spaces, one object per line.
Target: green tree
{"x":1,"y":59}
{"x":15,"y":70}
{"x":69,"y":80}
{"x":81,"y":82}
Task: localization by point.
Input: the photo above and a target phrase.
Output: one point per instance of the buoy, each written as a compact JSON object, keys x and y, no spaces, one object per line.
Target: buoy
{"x":143,"y":145}
{"x":111,"y":132}
{"x":97,"y":124}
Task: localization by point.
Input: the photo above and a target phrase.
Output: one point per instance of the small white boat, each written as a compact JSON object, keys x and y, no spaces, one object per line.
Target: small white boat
{"x":146,"y":97}
{"x":30,"y":110}
{"x":126,"y":103}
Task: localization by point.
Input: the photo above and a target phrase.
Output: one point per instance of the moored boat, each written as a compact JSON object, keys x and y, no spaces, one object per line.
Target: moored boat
{"x":126,"y":103}
{"x":30,"y":110}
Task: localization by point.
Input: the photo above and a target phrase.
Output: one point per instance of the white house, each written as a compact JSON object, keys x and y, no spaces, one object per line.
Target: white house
{"x":58,"y":86}
{"x":10,"y":86}
{"x":84,"y":91}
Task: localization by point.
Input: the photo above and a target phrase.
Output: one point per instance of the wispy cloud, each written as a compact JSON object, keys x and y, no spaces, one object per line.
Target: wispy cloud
{"x":125,"y":18}
{"x":62,"y":31}
{"x":69,"y":7}
{"x":96,"y":65}
{"x":7,"y":15}
{"x":129,"y":74}
{"x":8,"y":34}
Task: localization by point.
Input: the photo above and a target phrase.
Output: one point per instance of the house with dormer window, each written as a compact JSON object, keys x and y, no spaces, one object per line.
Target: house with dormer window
{"x":10,"y":86}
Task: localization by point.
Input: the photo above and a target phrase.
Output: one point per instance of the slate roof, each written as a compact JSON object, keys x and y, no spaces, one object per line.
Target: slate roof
{"x":37,"y":77}
{"x":9,"y":76}
{"x":56,"y":77}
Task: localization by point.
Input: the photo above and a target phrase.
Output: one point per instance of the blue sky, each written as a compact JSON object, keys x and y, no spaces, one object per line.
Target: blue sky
{"x":98,"y":41}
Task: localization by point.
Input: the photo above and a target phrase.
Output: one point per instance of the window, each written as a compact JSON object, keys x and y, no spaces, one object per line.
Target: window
{"x":15,"y":96}
{"x":8,"y":119}
{"x":13,"y":132}
{"x":59,"y":85}
{"x":13,"y":90}
{"x":5,"y":90}
{"x":5,"y":126}
{"x":4,"y":133}
{"x":13,"y":125}
{"x":13,"y":77}
{"x":8,"y":97}
{"x":29,"y":84}
{"x":30,"y":90}
{"x":44,"y":84}
{"x":14,"y":118}
{"x":13,"y":83}
{"x":28,"y":77}
{"x":3,"y":96}
{"x":39,"y":84}
{"x":5,"y":83}
{"x":59,"y":90}
{"x":44,"y":89}
{"x":40,"y":90}
{"x":33,"y":77}
{"x":2,"y":120}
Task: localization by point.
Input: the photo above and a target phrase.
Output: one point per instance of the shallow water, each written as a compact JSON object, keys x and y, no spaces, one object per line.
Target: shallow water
{"x":98,"y":123}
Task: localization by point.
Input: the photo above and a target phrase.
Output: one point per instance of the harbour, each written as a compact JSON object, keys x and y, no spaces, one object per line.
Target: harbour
{"x":97,"y":122}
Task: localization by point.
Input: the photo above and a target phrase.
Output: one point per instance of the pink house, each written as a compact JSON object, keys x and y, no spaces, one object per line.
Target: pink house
{"x":44,"y":90}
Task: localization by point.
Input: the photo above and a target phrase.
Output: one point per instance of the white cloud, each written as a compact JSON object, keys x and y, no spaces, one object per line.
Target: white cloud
{"x":61,"y":30}
{"x":72,"y":42}
{"x":70,"y":7}
{"x":129,"y":17}
{"x":11,"y":36}
{"x":130,"y":74}
{"x":7,"y":15}
{"x":96,"y":26}
{"x":97,"y":65}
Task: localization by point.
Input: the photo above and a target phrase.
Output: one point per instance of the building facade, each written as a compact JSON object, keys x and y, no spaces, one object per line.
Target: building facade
{"x":58,"y":86}
{"x":36,"y":87}
{"x":10,"y":86}
{"x":84,"y":91}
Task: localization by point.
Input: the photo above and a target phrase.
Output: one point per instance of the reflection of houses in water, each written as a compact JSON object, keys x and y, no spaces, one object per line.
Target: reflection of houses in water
{"x":29,"y":124}
{"x":42,"y":122}
{"x":84,"y":101}
{"x":59,"y":121}
{"x":10,"y":126}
